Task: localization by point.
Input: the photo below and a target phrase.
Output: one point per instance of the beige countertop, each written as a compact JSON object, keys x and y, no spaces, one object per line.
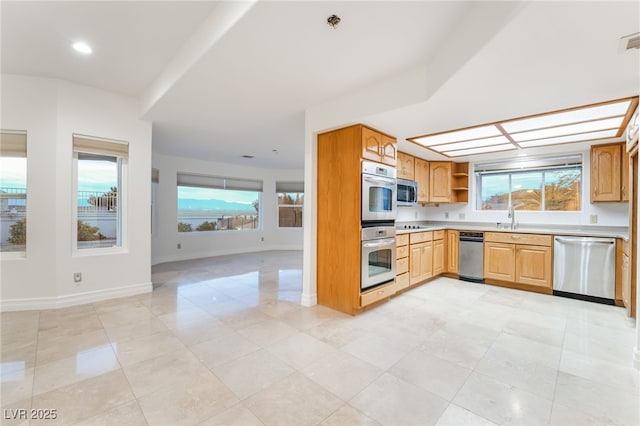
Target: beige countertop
{"x":583,"y":231}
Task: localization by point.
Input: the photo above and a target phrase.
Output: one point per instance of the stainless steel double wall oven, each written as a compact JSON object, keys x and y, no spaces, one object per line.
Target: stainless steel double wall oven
{"x":379,"y":204}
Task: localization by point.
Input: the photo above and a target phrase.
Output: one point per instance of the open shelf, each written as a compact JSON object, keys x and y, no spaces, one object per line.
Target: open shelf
{"x":460,"y":182}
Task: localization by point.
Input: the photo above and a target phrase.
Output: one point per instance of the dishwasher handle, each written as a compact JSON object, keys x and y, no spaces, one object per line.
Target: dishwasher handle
{"x":581,"y":241}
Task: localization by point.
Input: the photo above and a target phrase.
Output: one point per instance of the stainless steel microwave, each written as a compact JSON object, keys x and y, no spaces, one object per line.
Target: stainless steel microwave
{"x":407,"y":192}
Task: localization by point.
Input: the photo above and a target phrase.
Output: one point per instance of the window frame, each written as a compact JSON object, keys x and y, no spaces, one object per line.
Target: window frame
{"x":543,"y":166}
{"x":278,"y":206}
{"x":13,"y":146}
{"x":122,"y":233}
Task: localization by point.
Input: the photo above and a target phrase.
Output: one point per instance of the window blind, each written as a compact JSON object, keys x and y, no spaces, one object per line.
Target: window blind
{"x":204,"y":181}
{"x":13,"y":143}
{"x":289,"y":186}
{"x":540,"y":163}
{"x":89,"y":145}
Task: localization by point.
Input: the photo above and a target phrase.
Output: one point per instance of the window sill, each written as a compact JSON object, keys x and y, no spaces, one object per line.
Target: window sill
{"x":99,"y":251}
{"x":13,"y":255}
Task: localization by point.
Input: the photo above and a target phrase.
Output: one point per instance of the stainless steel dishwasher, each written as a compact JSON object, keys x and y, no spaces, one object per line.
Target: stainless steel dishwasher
{"x":584,"y":268}
{"x":471,"y":257}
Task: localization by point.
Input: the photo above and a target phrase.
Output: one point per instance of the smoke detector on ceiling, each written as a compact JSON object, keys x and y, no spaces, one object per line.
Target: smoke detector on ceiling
{"x":629,"y":42}
{"x":333,"y":21}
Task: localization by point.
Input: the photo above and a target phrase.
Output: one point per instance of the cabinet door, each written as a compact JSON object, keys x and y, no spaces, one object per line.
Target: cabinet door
{"x":405,"y":166}
{"x":415,"y":263}
{"x":388,"y":150}
{"x":606,"y":172}
{"x":624,"y":182}
{"x":427,"y":261}
{"x":626,"y":284}
{"x":371,"y":144}
{"x":440,"y":181}
{"x":533,"y":265}
{"x":438,"y":257}
{"x":452,"y":251}
{"x":499,"y":261}
{"x":422,"y":178}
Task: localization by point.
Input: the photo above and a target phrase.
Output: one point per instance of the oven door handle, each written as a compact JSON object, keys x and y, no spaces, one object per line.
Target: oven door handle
{"x":380,"y":243}
{"x":387,"y":182}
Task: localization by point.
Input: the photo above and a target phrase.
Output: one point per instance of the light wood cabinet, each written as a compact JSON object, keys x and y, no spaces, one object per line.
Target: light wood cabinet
{"x":453,"y":238}
{"x":377,"y":294}
{"x":440,"y":181}
{"x":438,"y":256}
{"x":523,"y":259}
{"x":422,"y":178}
{"x":460,"y":182}
{"x":405,"y":166}
{"x":378,"y":147}
{"x":340,"y":153}
{"x":420,"y":262}
{"x":402,"y":262}
{"x":609,"y":179}
{"x":500,"y":261}
{"x":624,"y":184}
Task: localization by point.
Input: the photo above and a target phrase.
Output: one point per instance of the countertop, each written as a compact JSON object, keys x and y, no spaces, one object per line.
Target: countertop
{"x":584,"y":231}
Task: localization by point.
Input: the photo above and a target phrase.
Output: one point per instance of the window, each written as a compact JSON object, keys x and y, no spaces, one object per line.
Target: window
{"x":290,"y":201}
{"x":210,"y":203}
{"x":13,"y":191}
{"x":99,"y":169}
{"x":535,"y":185}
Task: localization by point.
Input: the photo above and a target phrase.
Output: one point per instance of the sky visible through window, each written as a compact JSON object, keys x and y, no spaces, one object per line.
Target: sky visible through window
{"x":97,"y":176}
{"x":14,"y":172}
{"x":242,"y":197}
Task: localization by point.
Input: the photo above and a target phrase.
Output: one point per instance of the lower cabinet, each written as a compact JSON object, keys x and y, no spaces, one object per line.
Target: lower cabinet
{"x":519,"y":258}
{"x":377,"y":294}
{"x":420,"y":262}
{"x":438,"y":252}
{"x":402,"y":262}
{"x":453,"y":238}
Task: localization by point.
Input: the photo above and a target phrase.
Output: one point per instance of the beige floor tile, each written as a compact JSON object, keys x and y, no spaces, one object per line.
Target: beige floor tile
{"x":18,"y":356}
{"x":128,"y":414}
{"x":375,"y":350}
{"x":267,"y":332}
{"x":613,"y":374}
{"x":188,"y":401}
{"x":562,"y":415}
{"x":294,"y":400}
{"x":185,"y":318}
{"x":136,"y":330}
{"x":609,"y":405}
{"x":16,"y":385}
{"x":431,"y":373}
{"x":242,"y":317}
{"x":82,"y":366}
{"x":201,"y":331}
{"x":305,"y":318}
{"x":252,"y":373}
{"x":390,"y":400}
{"x":126,"y":316}
{"x":347,"y":415}
{"x":238,"y":415}
{"x":300,"y":350}
{"x":458,"y":416}
{"x":501,"y":403}
{"x":548,"y":336}
{"x":342,"y":374}
{"x":85,"y":399}
{"x":219,"y":351}
{"x":143,"y":348}
{"x":335,"y":332}
{"x":55,"y":348}
{"x":16,"y":413}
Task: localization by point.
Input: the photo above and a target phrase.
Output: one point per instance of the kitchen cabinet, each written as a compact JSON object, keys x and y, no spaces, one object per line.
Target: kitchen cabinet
{"x":340,"y":154}
{"x":438,"y":253}
{"x":609,"y":180}
{"x":377,"y":294}
{"x":522,"y":259}
{"x":452,"y":251}
{"x":460,"y":182}
{"x":406,"y":166}
{"x":422,"y":178}
{"x":420,"y":256}
{"x":624,"y":184}
{"x":377,"y":146}
{"x":440,"y":181}
{"x":402,"y":262}
{"x":623,"y":275}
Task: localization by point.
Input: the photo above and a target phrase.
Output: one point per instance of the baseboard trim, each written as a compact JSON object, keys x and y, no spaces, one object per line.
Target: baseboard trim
{"x":309,"y":299}
{"x":39,"y":303}
{"x":214,"y":253}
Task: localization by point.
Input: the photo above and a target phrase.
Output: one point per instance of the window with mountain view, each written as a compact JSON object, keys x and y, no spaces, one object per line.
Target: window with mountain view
{"x":546,"y":185}
{"x":209,"y":203}
{"x":13,"y":191}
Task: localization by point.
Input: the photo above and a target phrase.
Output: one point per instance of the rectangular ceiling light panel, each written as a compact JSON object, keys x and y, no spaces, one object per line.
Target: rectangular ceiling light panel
{"x":583,"y":137}
{"x":458,"y":136}
{"x":476,"y":143}
{"x":589,"y":126}
{"x":481,"y":150}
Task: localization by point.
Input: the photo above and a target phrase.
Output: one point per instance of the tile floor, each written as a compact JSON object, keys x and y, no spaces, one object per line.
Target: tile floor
{"x":225,"y":341}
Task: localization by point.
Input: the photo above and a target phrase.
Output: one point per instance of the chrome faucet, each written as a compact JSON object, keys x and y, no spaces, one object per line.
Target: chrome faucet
{"x":511,"y":214}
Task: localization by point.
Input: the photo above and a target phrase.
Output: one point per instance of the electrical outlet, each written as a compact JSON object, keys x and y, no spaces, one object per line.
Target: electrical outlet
{"x":593,"y":219}
{"x":77,"y":277}
{"x":262,"y":239}
{"x":179,"y":246}
{"x":446,"y":215}
{"x":415,"y":214}
{"x":461,"y":216}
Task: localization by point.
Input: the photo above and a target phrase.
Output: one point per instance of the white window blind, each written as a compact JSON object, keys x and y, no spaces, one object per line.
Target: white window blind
{"x":204,"y":181}
{"x":574,"y":160}
{"x":89,"y":145}
{"x":13,"y":143}
{"x":289,"y":187}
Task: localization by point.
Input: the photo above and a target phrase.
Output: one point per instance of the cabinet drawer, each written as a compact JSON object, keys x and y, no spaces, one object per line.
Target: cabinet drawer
{"x":420,"y":237}
{"x":402,"y":252}
{"x":402,"y":281}
{"x":402,"y":265}
{"x":438,"y":235}
{"x":402,"y":240}
{"x":377,"y":294}
{"x":513,"y":238}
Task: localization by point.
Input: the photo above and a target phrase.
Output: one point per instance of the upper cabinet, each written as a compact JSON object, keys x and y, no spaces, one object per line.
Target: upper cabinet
{"x":440,"y":181}
{"x":406,"y":166}
{"x":608,"y":177}
{"x":378,"y":147}
{"x":422,"y":178}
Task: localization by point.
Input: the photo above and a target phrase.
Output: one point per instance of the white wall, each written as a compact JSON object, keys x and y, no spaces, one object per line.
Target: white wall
{"x":204,"y":244}
{"x":609,"y":214}
{"x":51,"y":111}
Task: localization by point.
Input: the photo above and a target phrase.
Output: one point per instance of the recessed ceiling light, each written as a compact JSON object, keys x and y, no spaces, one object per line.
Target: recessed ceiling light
{"x":82,"y":47}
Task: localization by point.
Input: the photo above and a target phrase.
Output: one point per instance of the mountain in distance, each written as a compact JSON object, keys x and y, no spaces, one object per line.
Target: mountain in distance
{"x":194,"y":204}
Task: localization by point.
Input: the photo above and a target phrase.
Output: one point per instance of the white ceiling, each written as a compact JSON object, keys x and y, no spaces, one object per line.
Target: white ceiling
{"x":246,"y":90}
